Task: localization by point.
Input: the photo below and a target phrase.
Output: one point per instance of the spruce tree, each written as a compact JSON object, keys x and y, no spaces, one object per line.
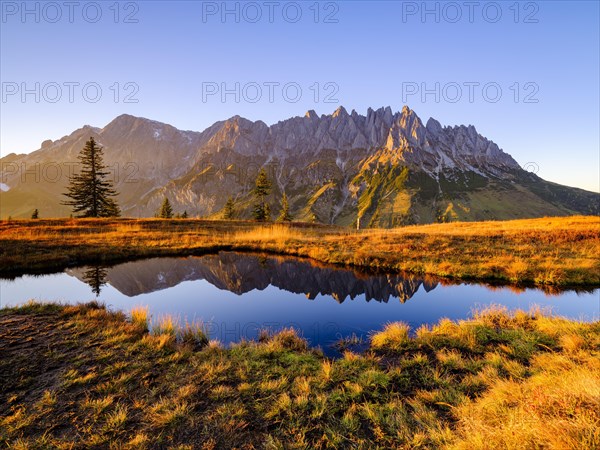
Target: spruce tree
{"x":90,"y":192}
{"x":284,"y":215}
{"x":165,"y":211}
{"x":262,"y":188}
{"x":229,"y":209}
{"x":185,"y":214}
{"x":35,"y":214}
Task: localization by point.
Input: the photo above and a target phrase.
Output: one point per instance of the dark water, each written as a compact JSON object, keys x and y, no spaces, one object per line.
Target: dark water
{"x":236,"y":295}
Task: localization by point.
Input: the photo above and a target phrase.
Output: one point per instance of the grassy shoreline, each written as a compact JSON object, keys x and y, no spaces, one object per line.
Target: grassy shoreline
{"x":83,"y":376}
{"x":548,"y":251}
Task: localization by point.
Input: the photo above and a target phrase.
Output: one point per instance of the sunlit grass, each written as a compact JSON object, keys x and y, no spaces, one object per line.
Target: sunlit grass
{"x":140,"y":318}
{"x":502,"y":379}
{"x":167,"y":413}
{"x":394,"y":336}
{"x":276,"y":233}
{"x":194,"y":335}
{"x":166,"y":330}
{"x":165,"y":325}
{"x":548,"y":251}
{"x":115,"y":420}
{"x":557,"y":407}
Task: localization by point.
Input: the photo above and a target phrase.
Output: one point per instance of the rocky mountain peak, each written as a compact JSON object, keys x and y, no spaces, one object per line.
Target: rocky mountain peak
{"x":340,"y":112}
{"x":311,"y":114}
{"x":433,"y":127}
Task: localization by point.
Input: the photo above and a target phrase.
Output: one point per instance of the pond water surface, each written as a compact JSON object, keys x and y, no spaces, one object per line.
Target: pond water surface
{"x":236,"y":295}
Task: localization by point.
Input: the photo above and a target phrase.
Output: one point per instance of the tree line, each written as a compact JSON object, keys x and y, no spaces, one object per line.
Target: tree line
{"x":91,"y":194}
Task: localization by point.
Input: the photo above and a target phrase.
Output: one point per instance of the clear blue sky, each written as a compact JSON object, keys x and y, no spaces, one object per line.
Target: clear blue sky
{"x":374,"y":52}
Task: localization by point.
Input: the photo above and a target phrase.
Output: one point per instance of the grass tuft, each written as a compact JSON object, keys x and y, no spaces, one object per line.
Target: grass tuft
{"x":194,"y":335}
{"x":165,"y":326}
{"x":140,"y":318}
{"x":395,"y":336}
{"x":287,"y":339}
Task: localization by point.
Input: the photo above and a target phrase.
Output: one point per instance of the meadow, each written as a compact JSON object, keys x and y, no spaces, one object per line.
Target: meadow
{"x":85,"y":377}
{"x":554,"y":251}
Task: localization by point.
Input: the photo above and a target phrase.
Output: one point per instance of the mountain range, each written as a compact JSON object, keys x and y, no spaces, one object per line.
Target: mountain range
{"x":385,"y":169}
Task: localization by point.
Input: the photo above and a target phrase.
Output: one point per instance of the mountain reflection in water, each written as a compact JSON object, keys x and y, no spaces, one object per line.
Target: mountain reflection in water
{"x":241,"y":273}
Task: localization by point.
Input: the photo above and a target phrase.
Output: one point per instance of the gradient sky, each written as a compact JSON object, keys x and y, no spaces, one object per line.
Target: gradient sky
{"x":371,"y":55}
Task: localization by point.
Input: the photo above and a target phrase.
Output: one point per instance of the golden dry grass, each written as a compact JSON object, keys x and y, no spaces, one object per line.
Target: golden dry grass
{"x":394,"y":335}
{"x":139,"y":317}
{"x":553,"y":251}
{"x":511,"y":380}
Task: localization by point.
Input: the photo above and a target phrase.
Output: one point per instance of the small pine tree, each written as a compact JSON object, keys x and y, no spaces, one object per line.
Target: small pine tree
{"x":89,"y":191}
{"x":166,"y":210}
{"x":229,"y":209}
{"x":284,"y":215}
{"x":35,"y":214}
{"x":185,"y":214}
{"x":262,"y":188}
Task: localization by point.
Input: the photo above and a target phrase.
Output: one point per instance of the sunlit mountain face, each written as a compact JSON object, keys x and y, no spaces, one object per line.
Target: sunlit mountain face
{"x":386,"y":168}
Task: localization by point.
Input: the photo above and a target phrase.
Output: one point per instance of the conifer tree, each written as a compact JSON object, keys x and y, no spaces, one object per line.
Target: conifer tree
{"x":284,"y":215}
{"x":262,"y":188}
{"x":166,"y":210}
{"x":89,"y":191}
{"x":35,"y":214}
{"x":229,"y":209}
{"x":185,"y":214}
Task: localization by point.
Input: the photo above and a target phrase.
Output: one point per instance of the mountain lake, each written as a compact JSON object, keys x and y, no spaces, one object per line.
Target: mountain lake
{"x":235,"y":295}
